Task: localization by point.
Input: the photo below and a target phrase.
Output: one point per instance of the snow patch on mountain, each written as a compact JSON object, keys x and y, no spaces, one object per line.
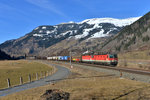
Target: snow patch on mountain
{"x":44,"y":27}
{"x":40,"y":31}
{"x":116,"y":22}
{"x":56,"y":26}
{"x":36,"y":28}
{"x":66,"y":33}
{"x":70,"y":22}
{"x":86,"y":31}
{"x":38,"y":35}
{"x":48,"y":32}
{"x":99,"y":34}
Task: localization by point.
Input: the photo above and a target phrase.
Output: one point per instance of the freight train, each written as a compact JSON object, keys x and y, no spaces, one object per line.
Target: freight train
{"x":105,"y":59}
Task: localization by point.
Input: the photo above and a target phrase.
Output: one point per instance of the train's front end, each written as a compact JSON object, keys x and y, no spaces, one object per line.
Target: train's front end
{"x":113,"y":59}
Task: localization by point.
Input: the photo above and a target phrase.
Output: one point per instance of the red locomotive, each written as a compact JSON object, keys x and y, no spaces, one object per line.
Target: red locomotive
{"x":107,"y":59}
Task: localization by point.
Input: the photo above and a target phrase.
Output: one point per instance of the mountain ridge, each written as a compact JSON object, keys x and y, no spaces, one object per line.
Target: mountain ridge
{"x":133,"y":37}
{"x":45,"y":36}
{"x":115,"y":21}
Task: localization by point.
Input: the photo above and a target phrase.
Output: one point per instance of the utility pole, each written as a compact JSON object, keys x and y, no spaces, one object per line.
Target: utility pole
{"x":70,"y":59}
{"x":56,"y":57}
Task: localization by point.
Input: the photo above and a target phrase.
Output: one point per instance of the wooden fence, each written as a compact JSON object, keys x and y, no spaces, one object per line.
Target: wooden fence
{"x":38,"y":76}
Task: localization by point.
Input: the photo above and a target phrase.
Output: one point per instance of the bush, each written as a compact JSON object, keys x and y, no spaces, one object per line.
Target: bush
{"x":118,"y":48}
{"x":130,"y":42}
{"x":146,"y":38}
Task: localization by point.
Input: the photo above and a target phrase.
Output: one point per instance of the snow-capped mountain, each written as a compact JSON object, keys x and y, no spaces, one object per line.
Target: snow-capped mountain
{"x":104,"y":27}
{"x":45,"y":36}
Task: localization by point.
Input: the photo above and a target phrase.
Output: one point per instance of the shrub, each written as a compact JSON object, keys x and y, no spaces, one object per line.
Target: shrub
{"x":146,"y":38}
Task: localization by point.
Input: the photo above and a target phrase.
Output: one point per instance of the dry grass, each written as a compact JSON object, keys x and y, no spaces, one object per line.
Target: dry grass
{"x":84,"y":84}
{"x":141,"y":55}
{"x":143,"y":94}
{"x":137,"y":64}
{"x":135,"y":59}
{"x":16,"y":69}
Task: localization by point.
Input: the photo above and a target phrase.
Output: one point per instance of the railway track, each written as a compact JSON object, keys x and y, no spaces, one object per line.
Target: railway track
{"x":128,"y":73}
{"x":130,"y":70}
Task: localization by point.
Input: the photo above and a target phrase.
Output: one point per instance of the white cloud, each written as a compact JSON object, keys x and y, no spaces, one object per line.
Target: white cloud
{"x":46,"y":4}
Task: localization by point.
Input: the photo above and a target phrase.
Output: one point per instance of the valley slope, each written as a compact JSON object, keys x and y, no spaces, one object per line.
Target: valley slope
{"x":135,"y":37}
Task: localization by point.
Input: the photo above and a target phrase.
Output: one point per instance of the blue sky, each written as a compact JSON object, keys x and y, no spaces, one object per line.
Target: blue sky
{"x":19,"y":17}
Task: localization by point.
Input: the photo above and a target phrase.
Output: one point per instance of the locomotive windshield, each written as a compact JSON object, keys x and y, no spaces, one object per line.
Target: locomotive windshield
{"x":113,"y":56}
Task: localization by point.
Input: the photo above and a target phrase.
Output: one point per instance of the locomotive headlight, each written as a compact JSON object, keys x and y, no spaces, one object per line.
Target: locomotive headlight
{"x":114,"y":60}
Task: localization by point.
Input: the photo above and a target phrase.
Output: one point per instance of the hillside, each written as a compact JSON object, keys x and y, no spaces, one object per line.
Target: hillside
{"x":134,"y":37}
{"x":43,"y":40}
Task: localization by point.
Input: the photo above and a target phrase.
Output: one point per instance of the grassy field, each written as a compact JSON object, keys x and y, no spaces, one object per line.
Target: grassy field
{"x":85,"y":84}
{"x":136,"y":59}
{"x":138,"y":55}
{"x":16,"y":69}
